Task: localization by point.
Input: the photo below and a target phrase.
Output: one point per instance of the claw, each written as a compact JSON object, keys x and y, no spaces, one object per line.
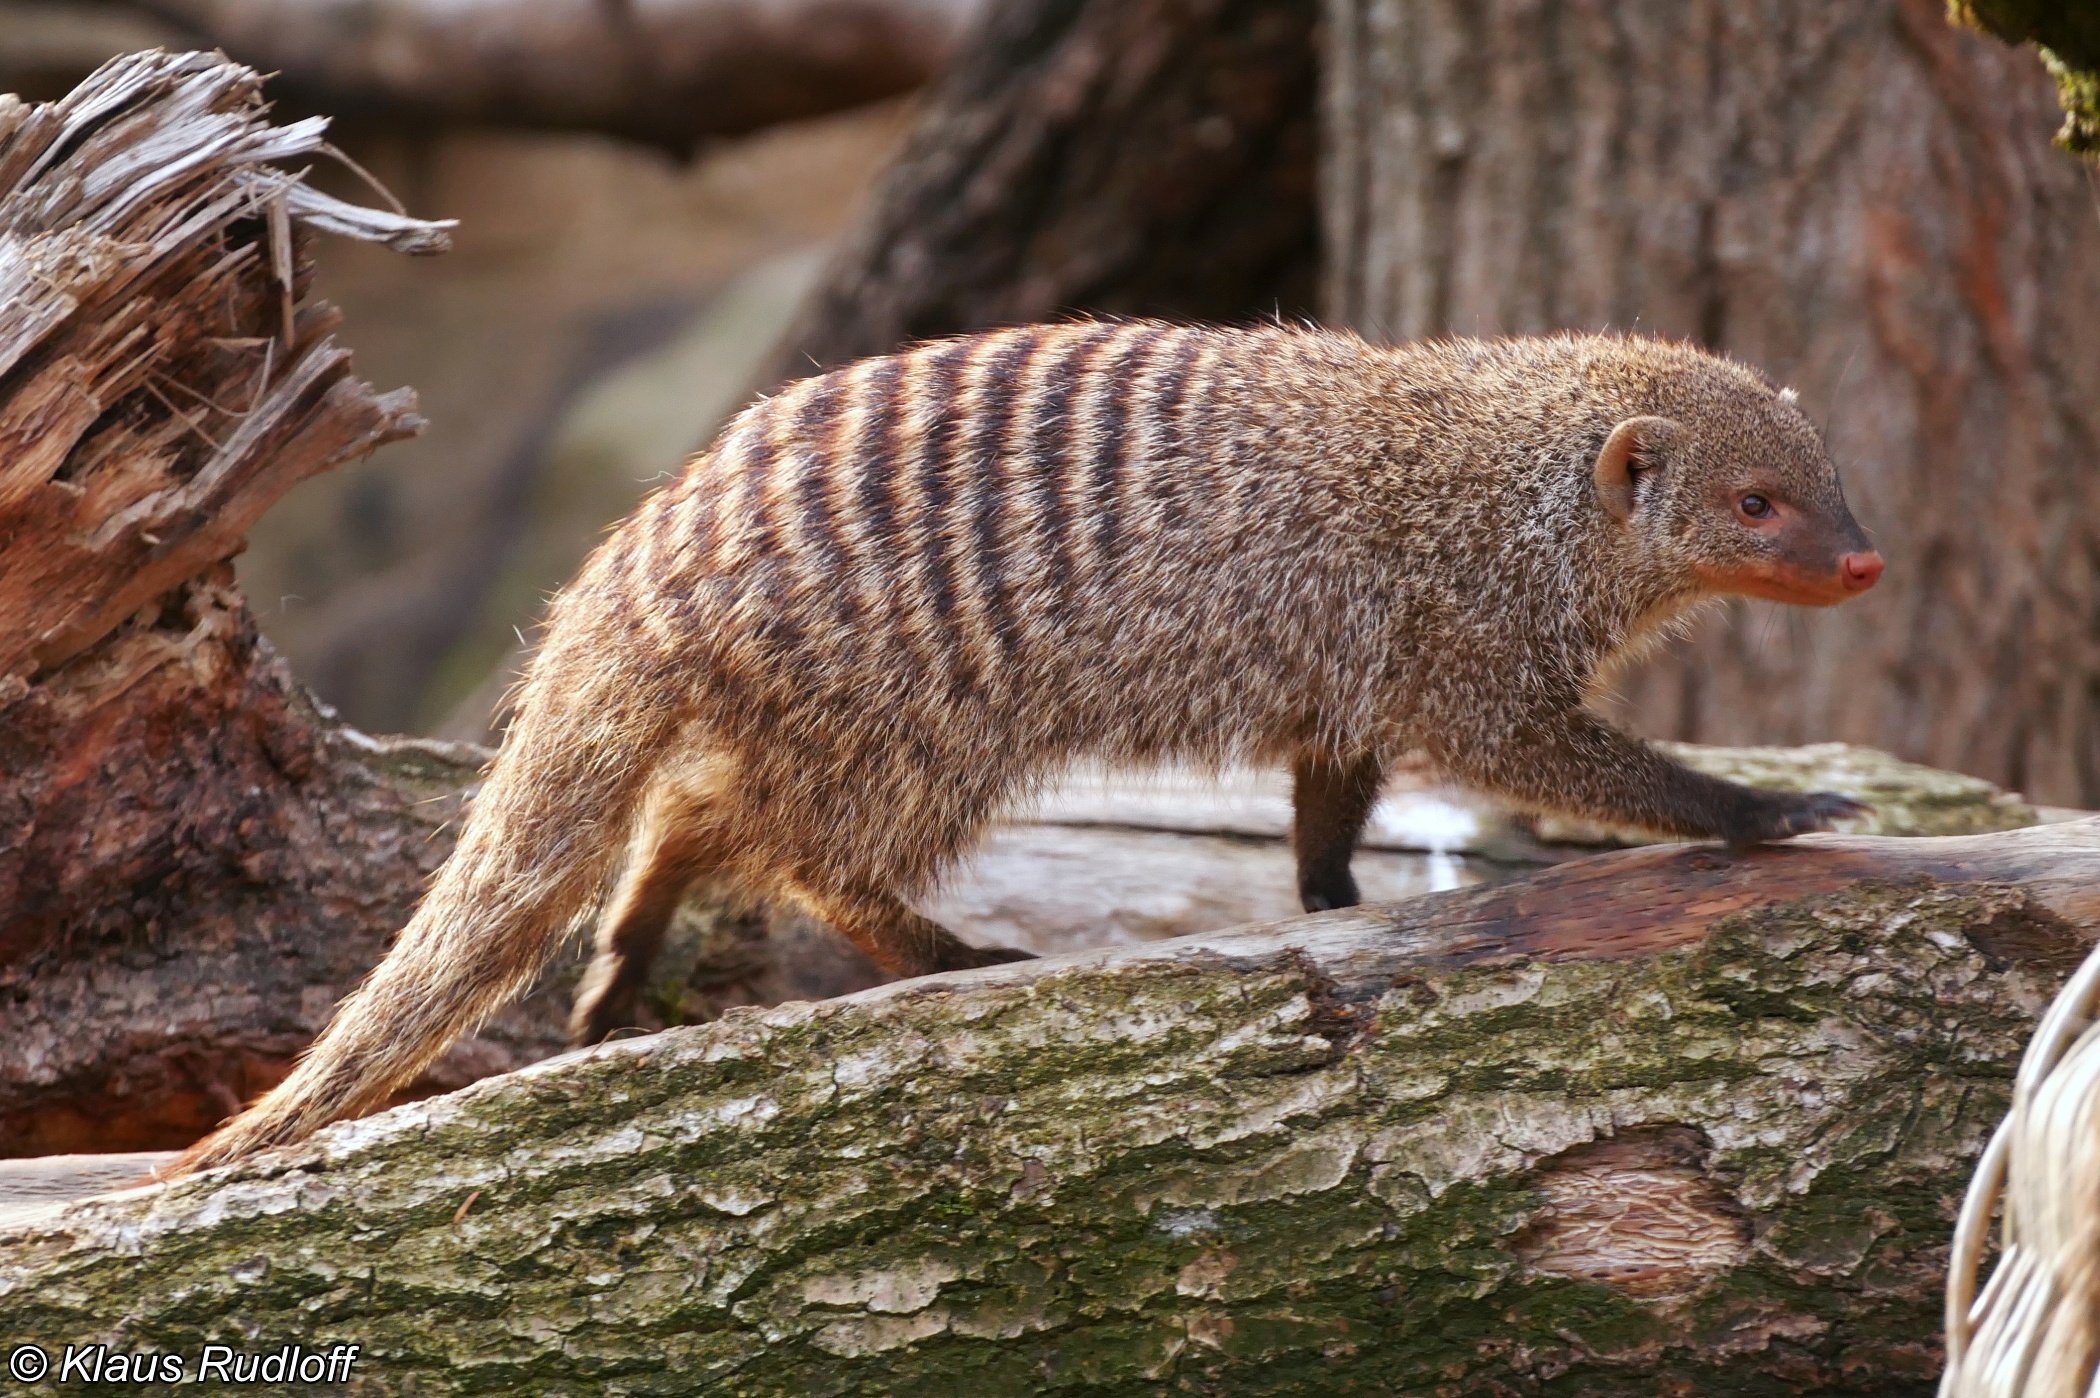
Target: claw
{"x":1785,"y":816}
{"x":1825,"y":807}
{"x":970,"y":957}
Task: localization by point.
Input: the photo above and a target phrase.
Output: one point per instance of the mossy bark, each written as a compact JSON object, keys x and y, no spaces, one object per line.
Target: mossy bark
{"x":1644,"y":1123}
{"x":2067,"y":32}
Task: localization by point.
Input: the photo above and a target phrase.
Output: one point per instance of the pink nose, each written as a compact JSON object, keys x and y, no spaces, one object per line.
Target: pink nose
{"x":1860,"y":570}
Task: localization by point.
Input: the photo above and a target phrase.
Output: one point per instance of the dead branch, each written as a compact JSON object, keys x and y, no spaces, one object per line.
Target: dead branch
{"x":670,"y":74}
{"x":189,"y":848}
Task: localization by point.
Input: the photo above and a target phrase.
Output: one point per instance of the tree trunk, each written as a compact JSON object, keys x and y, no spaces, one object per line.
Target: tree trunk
{"x":1656,"y":1122}
{"x":1113,"y":157}
{"x":1856,"y":198}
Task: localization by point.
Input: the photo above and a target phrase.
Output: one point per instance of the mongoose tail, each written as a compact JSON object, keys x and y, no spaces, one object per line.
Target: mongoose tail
{"x":538,"y":849}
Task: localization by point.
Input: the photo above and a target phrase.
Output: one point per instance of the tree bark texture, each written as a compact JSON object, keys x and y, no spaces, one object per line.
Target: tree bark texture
{"x":1114,"y":157}
{"x":200,"y":864}
{"x":671,"y":73}
{"x":1657,"y":1122}
{"x":1855,"y":197}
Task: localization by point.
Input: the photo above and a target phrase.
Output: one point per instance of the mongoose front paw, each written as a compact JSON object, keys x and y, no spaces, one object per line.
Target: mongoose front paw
{"x":1777,"y":816}
{"x":1326,"y":894}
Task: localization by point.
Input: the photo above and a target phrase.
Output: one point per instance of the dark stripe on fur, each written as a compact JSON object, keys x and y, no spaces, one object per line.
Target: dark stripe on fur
{"x":1004,"y":376}
{"x":942,"y":377}
{"x":817,"y":431}
{"x":878,"y":465}
{"x":1049,"y":446}
{"x":1126,"y":378}
{"x":1172,"y":392}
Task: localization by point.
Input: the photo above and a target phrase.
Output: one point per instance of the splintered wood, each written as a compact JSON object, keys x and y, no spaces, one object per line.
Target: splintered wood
{"x":160,"y":385}
{"x":195,"y":862}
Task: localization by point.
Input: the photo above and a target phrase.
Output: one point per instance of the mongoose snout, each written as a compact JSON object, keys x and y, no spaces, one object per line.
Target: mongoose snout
{"x":1805,"y":558}
{"x":893,"y":598}
{"x":1860,"y":570}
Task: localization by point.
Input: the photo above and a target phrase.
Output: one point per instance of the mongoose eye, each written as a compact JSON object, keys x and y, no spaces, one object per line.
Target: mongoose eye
{"x":1756,"y":506}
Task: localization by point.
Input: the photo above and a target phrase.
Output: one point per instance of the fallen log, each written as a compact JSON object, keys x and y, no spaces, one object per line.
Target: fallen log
{"x":1651,"y":1122}
{"x":673,"y":73}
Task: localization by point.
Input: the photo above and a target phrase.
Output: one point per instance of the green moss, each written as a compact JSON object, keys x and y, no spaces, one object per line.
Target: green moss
{"x":2078,"y":91}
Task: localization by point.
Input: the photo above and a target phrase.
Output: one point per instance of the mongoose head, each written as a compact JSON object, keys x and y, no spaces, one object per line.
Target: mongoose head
{"x":1724,"y":480}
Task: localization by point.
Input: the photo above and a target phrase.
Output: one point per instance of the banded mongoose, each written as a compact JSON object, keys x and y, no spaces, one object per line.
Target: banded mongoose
{"x":894,"y":597}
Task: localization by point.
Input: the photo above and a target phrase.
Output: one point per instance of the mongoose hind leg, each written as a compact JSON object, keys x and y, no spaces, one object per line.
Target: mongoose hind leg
{"x":630,"y":934}
{"x":901,"y":941}
{"x":1330,"y":801}
{"x":676,"y":844}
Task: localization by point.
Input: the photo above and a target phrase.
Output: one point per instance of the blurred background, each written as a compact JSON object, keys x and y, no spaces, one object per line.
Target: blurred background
{"x":604,"y":309}
{"x":667,"y":205}
{"x":606,"y":304}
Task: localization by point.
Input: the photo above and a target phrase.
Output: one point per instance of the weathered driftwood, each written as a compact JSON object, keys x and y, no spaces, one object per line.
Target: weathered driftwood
{"x":1660,"y":1121}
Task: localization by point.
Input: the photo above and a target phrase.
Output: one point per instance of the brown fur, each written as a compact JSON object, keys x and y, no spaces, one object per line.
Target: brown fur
{"x":896,"y":597}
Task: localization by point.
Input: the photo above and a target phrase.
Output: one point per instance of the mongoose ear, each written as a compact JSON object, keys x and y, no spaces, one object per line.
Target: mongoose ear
{"x":1634,"y":445}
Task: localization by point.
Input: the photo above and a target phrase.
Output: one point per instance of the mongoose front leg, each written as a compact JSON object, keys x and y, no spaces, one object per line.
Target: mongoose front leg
{"x":1329,"y":803}
{"x":1572,"y":761}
